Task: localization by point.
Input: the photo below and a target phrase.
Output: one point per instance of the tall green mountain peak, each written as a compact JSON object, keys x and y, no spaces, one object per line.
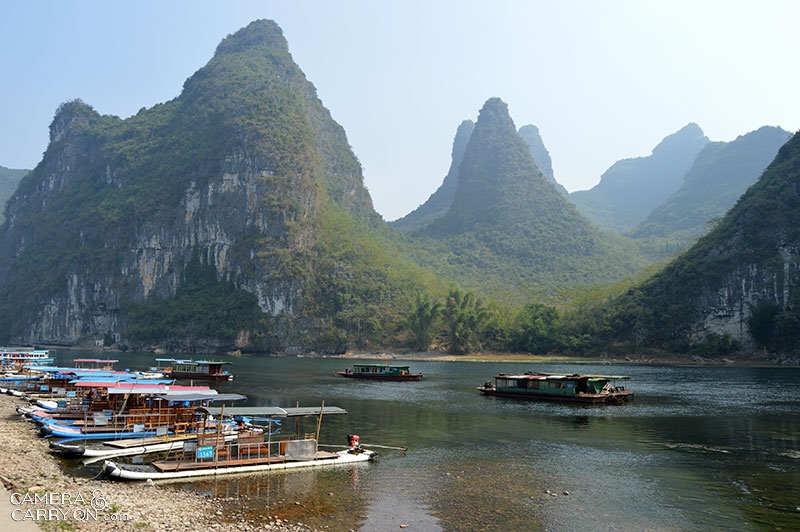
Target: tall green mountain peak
{"x":215,"y":220}
{"x":507,"y":217}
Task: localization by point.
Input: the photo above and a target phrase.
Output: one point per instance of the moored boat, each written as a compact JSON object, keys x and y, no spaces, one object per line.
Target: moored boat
{"x":212,"y":458}
{"x":596,"y":389}
{"x":210,"y":370}
{"x":131,"y":410}
{"x":380,"y":372}
{"x":91,"y":451}
{"x":20,"y":356}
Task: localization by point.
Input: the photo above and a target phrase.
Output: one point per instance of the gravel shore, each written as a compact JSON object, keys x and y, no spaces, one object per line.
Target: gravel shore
{"x":39,"y":492}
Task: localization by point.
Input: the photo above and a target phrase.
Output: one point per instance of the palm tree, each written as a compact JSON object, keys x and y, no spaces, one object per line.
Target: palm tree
{"x":422,"y":321}
{"x":465,"y":317}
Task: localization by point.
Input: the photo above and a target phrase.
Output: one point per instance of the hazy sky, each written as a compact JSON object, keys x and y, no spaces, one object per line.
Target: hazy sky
{"x":603,"y":80}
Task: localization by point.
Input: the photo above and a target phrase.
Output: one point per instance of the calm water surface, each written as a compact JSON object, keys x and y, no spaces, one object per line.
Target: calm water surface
{"x":699,"y":449}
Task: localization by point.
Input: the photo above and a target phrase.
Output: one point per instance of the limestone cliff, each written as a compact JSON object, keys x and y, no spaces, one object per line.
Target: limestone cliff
{"x":233,"y":174}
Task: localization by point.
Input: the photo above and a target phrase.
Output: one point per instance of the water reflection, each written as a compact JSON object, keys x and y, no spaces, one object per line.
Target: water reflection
{"x":698,"y":449}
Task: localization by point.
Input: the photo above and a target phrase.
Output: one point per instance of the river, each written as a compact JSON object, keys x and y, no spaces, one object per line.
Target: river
{"x":700,"y":448}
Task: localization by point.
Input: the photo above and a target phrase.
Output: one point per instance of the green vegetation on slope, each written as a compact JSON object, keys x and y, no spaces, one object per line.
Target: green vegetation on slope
{"x":756,"y":242}
{"x":509,"y":228}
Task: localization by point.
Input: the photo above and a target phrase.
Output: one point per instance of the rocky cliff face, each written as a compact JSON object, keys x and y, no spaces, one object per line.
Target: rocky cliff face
{"x":726,"y":307}
{"x":233,"y":172}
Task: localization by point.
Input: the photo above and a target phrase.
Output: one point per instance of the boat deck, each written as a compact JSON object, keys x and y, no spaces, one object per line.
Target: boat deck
{"x":224,"y":462}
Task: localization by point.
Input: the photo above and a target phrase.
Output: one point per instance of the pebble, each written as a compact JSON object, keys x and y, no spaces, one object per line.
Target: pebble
{"x":160,"y":507}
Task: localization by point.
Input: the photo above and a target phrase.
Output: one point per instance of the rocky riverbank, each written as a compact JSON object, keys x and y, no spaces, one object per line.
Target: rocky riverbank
{"x":40,"y":492}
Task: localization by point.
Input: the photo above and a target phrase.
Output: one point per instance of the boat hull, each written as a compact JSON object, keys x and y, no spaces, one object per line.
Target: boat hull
{"x":188,"y":375}
{"x":117,"y":472}
{"x":600,"y":398}
{"x":377,"y":377}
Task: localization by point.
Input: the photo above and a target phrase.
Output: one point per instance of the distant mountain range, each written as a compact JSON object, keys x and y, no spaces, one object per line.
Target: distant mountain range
{"x":720,"y":174}
{"x":629,"y":191}
{"x":235,"y":217}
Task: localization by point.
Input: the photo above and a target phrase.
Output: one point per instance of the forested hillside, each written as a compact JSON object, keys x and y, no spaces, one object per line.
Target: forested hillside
{"x":541,"y":157}
{"x":439,"y":202}
{"x":737,"y":287}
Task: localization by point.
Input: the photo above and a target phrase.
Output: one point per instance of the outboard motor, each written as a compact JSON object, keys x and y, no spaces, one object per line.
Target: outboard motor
{"x":353,"y":440}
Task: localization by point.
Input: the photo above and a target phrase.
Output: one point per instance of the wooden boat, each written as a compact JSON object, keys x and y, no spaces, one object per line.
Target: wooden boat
{"x":95,"y":451}
{"x":133,"y":411}
{"x":213,"y":456}
{"x":210,"y":370}
{"x":380,"y":372}
{"x":598,"y":389}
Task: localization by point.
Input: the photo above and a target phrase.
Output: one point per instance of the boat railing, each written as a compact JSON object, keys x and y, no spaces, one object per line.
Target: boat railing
{"x":178,"y":420}
{"x":213,"y":449}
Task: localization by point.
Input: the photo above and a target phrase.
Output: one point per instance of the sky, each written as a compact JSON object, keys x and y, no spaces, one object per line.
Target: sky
{"x":602,"y":80}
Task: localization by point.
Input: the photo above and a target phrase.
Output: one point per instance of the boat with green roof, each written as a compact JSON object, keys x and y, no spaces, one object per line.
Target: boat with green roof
{"x":576,"y":388}
{"x":380,"y":372}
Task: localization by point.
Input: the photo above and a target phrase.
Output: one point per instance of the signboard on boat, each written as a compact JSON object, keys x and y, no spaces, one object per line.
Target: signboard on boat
{"x":207,"y":451}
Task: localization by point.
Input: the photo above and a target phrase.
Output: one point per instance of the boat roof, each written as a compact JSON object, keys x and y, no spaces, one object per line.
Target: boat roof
{"x":67,"y":369}
{"x":190,"y":361}
{"x":211,"y":395}
{"x":276,"y":411}
{"x":125,"y":379}
{"x":96,"y":360}
{"x":379,"y":366}
{"x":157,"y":390}
{"x":556,"y":376}
{"x":137,"y":386}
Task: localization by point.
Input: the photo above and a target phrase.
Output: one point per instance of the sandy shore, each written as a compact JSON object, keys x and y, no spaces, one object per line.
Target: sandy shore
{"x":39,"y":493}
{"x":671,"y":359}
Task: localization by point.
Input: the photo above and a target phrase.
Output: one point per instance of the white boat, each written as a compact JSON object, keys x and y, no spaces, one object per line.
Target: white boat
{"x":230,"y":458}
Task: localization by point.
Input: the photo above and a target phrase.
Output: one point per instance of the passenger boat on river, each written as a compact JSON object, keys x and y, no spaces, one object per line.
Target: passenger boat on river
{"x":209,"y":370}
{"x":380,"y":372}
{"x":596,"y":389}
{"x":17,"y":357}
